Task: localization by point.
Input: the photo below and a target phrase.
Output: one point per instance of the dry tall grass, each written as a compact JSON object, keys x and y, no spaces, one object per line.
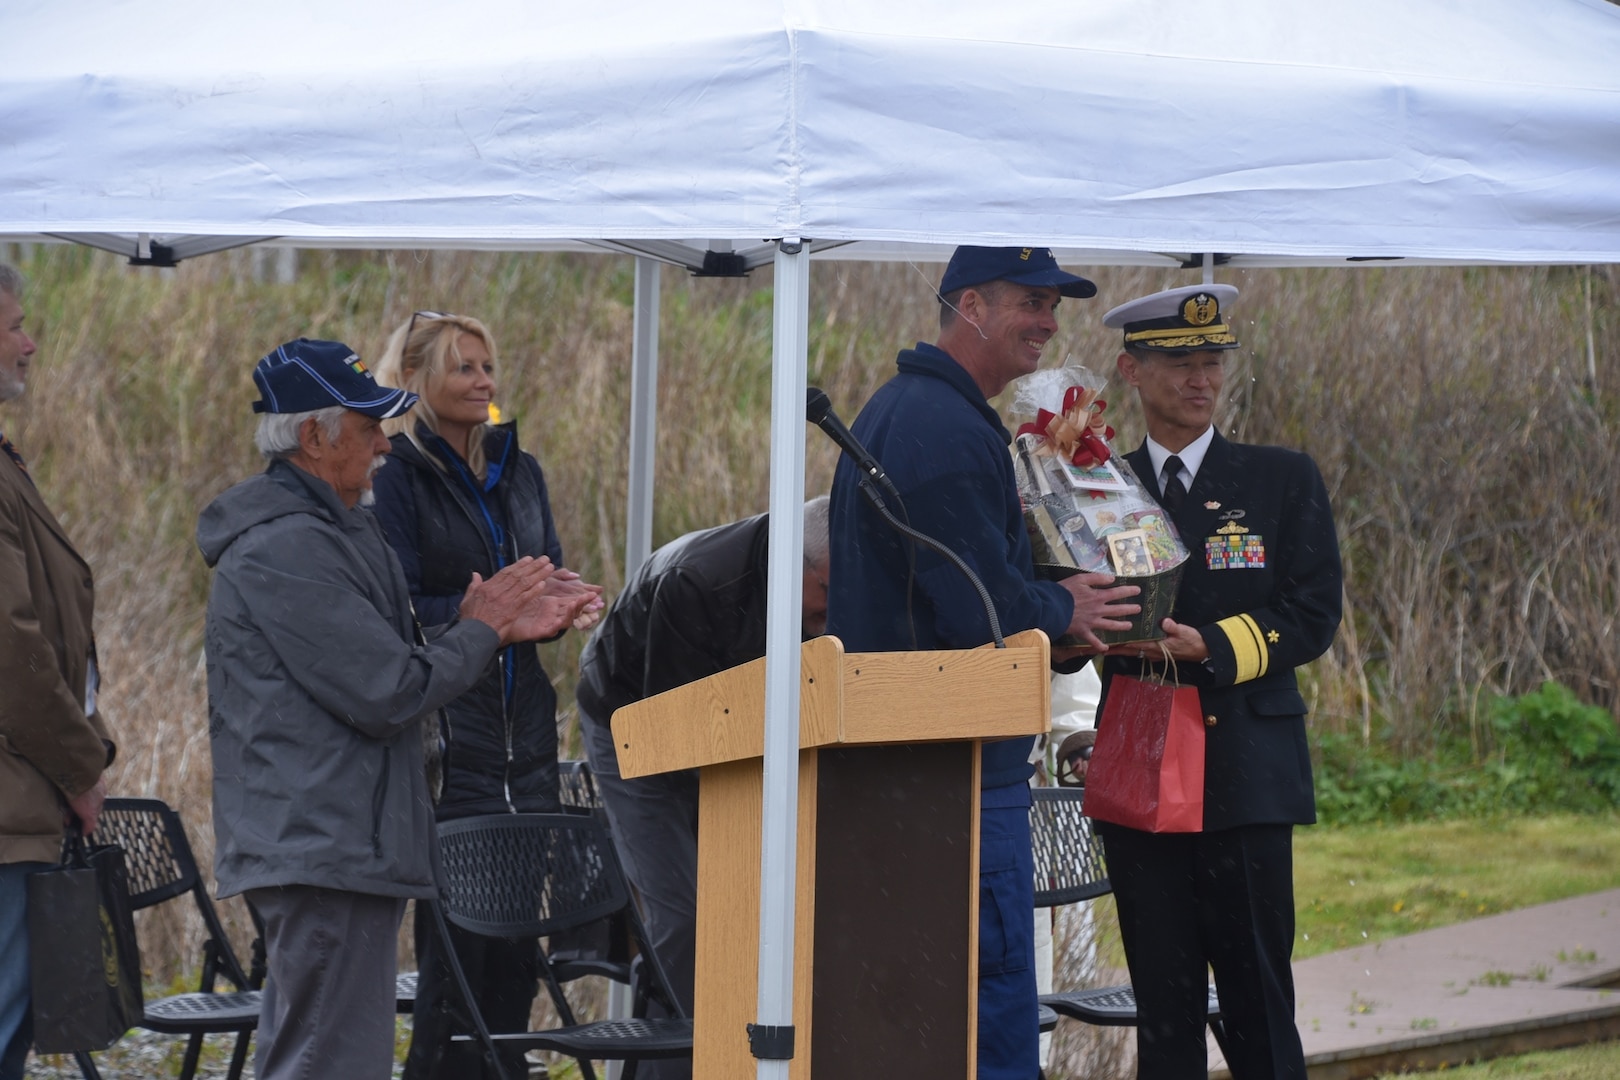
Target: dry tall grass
{"x":1465,"y":421}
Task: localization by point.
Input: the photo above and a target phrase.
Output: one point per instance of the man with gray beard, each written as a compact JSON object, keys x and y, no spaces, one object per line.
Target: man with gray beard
{"x":323,"y":695}
{"x":54,"y":748}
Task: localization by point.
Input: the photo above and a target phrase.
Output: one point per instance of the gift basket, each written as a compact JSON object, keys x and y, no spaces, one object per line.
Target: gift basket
{"x":1084,"y":507}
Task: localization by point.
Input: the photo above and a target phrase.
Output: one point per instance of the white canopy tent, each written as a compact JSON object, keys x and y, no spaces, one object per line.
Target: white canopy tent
{"x":1259,"y":132}
{"x":1462,"y":130}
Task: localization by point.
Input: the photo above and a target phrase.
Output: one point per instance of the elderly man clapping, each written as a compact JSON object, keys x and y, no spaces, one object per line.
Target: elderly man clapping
{"x":322,"y":707}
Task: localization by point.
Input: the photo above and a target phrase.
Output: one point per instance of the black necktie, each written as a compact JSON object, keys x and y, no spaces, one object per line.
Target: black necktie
{"x":1174,"y":492}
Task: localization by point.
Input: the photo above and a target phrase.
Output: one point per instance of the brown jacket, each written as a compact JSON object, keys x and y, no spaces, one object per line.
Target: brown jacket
{"x":49,"y":748}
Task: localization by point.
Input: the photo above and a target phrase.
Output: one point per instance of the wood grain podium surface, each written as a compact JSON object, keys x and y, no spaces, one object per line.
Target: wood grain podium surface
{"x":886,"y":891}
{"x":844,"y":698}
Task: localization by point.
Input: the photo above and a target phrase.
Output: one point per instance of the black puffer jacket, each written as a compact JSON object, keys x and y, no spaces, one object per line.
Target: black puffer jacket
{"x":502,"y":751}
{"x":696,"y":607}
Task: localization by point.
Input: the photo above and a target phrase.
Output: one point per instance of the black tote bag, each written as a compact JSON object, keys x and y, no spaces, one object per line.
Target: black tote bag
{"x":86,"y":966}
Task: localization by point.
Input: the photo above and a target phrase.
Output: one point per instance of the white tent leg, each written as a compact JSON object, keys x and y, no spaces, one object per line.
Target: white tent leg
{"x":780,"y":814}
{"x":643,"y":416}
{"x":638,"y":516}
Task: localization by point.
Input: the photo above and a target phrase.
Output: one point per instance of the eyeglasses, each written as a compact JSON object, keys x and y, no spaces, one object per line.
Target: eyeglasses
{"x":429,"y":315}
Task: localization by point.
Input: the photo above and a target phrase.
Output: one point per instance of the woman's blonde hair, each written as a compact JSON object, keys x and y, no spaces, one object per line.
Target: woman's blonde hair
{"x":421,"y":364}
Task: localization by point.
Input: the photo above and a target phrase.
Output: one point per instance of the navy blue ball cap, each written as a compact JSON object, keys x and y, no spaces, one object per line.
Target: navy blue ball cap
{"x":971,"y":266}
{"x":304,"y":375}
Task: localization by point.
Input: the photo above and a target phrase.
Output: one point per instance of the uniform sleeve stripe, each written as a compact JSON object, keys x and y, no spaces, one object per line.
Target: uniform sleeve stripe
{"x":1259,"y":643}
{"x":1249,"y":650}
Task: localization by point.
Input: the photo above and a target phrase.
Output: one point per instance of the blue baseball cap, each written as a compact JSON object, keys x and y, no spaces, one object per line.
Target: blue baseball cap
{"x":304,"y":375}
{"x":1020,"y":265}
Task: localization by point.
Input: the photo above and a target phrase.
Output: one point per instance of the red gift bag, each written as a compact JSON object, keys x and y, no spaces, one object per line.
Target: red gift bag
{"x":1147,"y":769}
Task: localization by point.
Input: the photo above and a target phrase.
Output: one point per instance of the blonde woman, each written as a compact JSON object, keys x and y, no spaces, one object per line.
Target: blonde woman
{"x":458,"y":497}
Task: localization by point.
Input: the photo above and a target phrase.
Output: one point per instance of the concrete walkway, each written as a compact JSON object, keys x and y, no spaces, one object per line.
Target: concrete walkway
{"x":1506,"y":984}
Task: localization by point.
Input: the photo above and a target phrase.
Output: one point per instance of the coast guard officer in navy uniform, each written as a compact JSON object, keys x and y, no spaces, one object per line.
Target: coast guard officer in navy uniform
{"x":945,"y":449}
{"x":1260,"y":596}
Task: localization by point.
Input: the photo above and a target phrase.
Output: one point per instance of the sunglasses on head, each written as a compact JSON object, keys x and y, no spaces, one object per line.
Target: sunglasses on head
{"x":428,"y":315}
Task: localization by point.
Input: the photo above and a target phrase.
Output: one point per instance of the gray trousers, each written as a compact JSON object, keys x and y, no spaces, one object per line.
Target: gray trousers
{"x":328,"y":1007}
{"x":654,"y":821}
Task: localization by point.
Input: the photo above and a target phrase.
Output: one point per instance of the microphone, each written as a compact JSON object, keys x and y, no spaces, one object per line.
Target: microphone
{"x":818,"y":410}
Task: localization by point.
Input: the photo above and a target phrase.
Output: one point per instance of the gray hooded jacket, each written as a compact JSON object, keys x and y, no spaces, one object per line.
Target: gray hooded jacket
{"x":317,"y":692}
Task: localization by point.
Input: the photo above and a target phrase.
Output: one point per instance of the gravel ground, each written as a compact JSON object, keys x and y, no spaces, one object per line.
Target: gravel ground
{"x":143,"y":1055}
{"x":139,"y":1054}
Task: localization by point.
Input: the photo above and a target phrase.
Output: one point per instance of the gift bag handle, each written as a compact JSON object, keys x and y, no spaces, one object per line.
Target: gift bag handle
{"x":75,"y":849}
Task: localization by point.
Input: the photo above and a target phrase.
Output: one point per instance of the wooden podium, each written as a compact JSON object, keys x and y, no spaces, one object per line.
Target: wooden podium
{"x":886,"y":916}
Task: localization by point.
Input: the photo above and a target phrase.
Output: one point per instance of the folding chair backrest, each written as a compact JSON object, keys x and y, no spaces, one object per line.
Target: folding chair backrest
{"x":1068,"y":854}
{"x":156,"y":852}
{"x":576,"y":787}
{"x":158,"y":859}
{"x":528,"y":875}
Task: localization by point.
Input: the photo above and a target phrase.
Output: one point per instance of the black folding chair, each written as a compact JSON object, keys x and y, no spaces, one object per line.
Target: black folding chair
{"x":576,"y":787}
{"x":534,"y":875}
{"x":1069,"y":869}
{"x":405,"y":992}
{"x":161,"y":868}
{"x":601,"y":948}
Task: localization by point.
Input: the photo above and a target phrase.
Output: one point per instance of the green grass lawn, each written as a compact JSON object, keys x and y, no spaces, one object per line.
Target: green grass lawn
{"x":1372,"y":882}
{"x":1599,"y":1061}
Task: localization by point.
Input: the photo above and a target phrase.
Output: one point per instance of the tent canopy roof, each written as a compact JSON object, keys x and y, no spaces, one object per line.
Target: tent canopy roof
{"x":1115,"y":131}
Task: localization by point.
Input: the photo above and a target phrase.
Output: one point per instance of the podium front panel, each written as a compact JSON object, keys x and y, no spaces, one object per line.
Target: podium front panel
{"x":896,"y":912}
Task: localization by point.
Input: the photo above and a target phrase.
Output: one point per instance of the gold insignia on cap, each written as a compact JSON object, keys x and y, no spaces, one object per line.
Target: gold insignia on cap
{"x":1182,"y":338}
{"x":1025,"y":254}
{"x":1200,"y":310}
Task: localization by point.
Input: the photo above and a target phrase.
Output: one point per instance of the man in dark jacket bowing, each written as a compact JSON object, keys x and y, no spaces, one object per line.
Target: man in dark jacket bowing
{"x":696,"y":607}
{"x":934,"y":432}
{"x":1260,"y":595}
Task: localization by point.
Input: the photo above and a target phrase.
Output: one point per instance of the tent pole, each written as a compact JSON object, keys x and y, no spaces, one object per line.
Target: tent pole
{"x":779,"y":818}
{"x":638,"y":518}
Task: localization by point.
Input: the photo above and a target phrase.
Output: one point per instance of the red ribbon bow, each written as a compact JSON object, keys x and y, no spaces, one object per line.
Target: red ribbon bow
{"x":1078,"y":433}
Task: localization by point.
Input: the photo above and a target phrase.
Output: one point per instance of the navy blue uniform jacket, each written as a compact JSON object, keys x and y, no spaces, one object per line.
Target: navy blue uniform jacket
{"x":945,"y":449}
{"x":1265,"y":593}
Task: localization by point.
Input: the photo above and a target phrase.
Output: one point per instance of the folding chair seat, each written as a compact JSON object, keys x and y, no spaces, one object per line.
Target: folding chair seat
{"x":161,"y":868}
{"x":1069,"y":869}
{"x":535,"y":875}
